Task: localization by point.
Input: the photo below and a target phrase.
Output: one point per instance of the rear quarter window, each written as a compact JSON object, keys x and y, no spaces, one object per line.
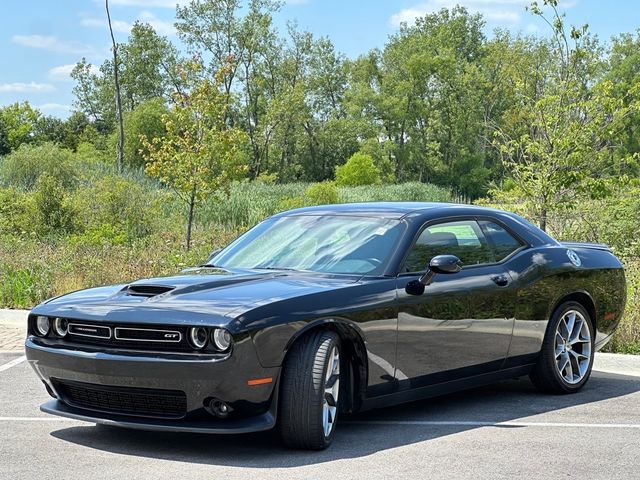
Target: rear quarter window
{"x":501,"y":241}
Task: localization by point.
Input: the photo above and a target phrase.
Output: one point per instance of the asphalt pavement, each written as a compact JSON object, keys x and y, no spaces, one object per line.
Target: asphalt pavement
{"x":507,"y":430}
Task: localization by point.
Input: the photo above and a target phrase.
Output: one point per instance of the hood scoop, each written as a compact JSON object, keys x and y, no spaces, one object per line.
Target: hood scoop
{"x":139,"y":290}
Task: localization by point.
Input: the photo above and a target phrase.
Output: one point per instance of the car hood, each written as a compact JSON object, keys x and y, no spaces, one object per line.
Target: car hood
{"x":207,"y":296}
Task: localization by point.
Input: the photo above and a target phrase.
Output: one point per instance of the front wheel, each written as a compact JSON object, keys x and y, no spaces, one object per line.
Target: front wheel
{"x":309,"y":391}
{"x":567,"y":352}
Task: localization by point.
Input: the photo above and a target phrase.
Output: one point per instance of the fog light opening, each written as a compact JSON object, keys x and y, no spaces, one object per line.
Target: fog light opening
{"x":218,"y":408}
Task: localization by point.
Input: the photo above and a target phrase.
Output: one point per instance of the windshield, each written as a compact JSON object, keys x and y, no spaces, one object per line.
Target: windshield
{"x":331,"y":244}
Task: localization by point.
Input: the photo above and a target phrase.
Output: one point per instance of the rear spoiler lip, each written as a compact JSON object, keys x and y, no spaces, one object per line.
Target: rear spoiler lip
{"x":592,"y":246}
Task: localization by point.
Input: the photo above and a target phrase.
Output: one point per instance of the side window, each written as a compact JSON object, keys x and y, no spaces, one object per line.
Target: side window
{"x":502,"y":242}
{"x":464,"y":239}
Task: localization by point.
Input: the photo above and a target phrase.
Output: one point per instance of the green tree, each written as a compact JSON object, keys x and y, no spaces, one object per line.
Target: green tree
{"x":624,"y":75}
{"x":4,"y":141}
{"x":560,"y":149}
{"x":148,"y":68}
{"x":52,"y":213}
{"x":199,"y":155}
{"x":422,"y":96}
{"x":359,"y":170}
{"x":145,"y":121}
{"x":20,"y":124}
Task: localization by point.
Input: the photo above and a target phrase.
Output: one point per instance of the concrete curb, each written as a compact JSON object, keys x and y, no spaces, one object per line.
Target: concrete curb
{"x":13,"y":318}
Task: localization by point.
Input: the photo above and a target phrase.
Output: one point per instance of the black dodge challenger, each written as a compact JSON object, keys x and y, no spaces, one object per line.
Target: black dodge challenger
{"x":330,"y":309}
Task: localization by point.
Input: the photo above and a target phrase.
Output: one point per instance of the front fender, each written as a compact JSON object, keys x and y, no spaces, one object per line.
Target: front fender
{"x":272,"y":343}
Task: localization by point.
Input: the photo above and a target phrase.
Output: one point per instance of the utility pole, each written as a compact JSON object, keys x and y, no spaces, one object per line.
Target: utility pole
{"x":118,"y":101}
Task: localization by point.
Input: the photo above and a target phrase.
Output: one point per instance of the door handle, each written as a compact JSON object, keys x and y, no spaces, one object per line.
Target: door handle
{"x":500,"y":280}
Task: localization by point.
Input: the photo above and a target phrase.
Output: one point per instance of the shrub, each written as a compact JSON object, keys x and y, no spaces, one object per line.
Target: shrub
{"x":145,"y":119}
{"x":17,"y":212}
{"x":24,"y":287}
{"x":324,"y":193}
{"x":52,"y":212}
{"x":22,"y":167}
{"x":359,"y":170}
{"x":116,"y":210}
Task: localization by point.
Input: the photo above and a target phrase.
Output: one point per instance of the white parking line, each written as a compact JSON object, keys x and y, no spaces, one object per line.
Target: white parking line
{"x":12,"y":363}
{"x":454,"y":423}
{"x":37,"y":419}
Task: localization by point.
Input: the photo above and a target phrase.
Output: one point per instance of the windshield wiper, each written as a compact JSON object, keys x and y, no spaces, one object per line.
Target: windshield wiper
{"x":261,"y":267}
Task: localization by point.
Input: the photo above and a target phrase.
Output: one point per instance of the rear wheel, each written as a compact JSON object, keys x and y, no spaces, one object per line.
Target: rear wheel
{"x":567,"y":352}
{"x":309,"y":391}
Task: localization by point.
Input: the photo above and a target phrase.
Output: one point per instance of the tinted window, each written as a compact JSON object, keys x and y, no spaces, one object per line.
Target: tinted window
{"x":503,"y":243}
{"x":333,"y":244}
{"x":463,"y":239}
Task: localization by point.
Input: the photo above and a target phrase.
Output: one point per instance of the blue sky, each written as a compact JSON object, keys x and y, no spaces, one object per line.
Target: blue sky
{"x":40,"y":40}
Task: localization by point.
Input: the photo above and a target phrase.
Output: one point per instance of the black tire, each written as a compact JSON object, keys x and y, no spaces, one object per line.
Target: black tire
{"x":302,"y":392}
{"x":545,"y":375}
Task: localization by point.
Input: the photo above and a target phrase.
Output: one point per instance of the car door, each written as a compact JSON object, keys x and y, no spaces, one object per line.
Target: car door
{"x":461,"y":324}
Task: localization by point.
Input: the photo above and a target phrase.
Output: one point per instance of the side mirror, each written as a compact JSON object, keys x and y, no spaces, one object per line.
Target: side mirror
{"x":441,"y":264}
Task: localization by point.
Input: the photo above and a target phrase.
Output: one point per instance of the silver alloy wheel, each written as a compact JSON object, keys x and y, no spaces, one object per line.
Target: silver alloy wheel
{"x":331,"y":391}
{"x":573,"y":347}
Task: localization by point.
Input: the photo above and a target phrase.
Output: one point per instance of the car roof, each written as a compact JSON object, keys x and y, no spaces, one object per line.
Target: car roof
{"x":393,"y":210}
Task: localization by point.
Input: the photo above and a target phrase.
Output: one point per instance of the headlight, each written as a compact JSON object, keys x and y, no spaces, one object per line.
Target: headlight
{"x":198,"y":337}
{"x":61,"y":326}
{"x":43,"y":324}
{"x":221,"y":338}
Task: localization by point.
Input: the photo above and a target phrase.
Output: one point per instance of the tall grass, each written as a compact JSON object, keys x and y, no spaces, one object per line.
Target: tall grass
{"x":249,"y":203}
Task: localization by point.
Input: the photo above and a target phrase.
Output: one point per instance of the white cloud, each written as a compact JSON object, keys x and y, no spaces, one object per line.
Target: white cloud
{"x":162,"y":27}
{"x":496,"y":11}
{"x":54,"y":107}
{"x":118,"y":25}
{"x":21,"y":87}
{"x":62,"y":73}
{"x":531,"y":28}
{"x":52,"y":44}
{"x":508,"y":12}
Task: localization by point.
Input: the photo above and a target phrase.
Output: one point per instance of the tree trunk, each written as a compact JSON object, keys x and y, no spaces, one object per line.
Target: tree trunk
{"x":543,"y":219}
{"x":192,"y":202}
{"x":118,"y":99}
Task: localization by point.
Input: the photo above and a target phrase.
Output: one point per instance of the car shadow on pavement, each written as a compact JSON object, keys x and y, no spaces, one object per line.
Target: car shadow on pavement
{"x":513,"y":400}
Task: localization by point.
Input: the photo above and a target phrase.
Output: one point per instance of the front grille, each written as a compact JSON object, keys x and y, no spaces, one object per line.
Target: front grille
{"x":143,"y":402}
{"x":129,"y":337}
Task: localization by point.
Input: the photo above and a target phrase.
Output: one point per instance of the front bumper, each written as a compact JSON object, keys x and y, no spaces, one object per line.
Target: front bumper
{"x":201,"y":379}
{"x":257,"y":423}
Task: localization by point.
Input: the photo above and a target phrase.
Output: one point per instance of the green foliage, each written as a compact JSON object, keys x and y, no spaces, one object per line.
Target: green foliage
{"x":145,"y":121}
{"x":402,"y":192}
{"x":22,"y":167}
{"x":148,"y":69}
{"x":115,"y":210}
{"x":24,"y":287}
{"x":359,"y":170}
{"x":559,"y":149}
{"x":627,"y":336}
{"x":17,"y":212}
{"x":53,"y":215}
{"x":200,"y":154}
{"x":19,"y":124}
{"x":324,"y":193}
